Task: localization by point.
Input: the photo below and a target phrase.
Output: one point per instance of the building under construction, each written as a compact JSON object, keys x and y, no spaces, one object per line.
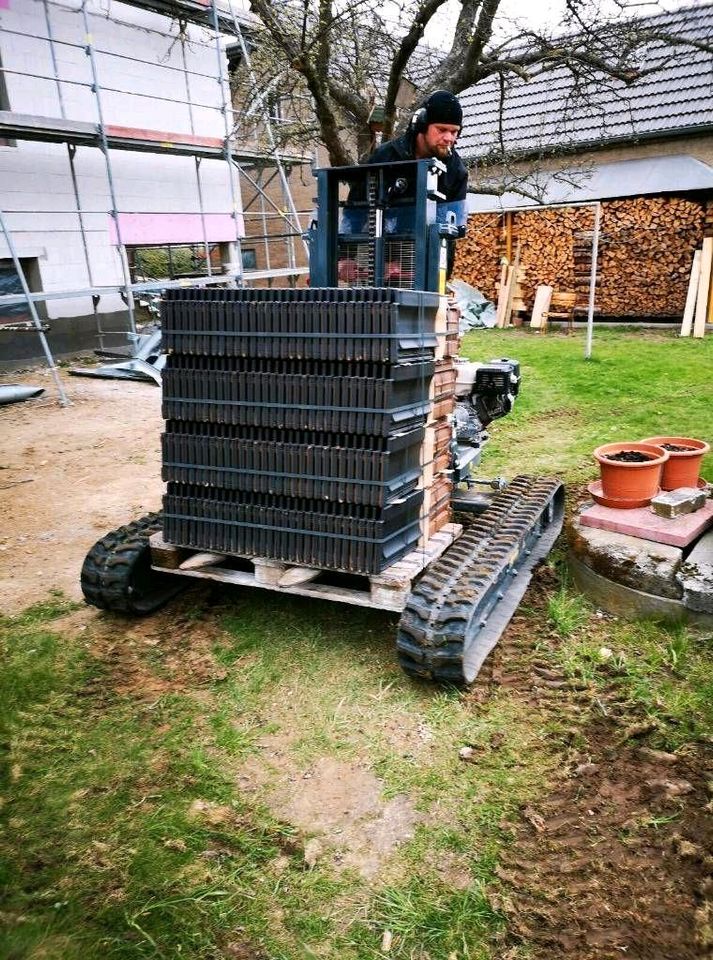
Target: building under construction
{"x":122,"y":171}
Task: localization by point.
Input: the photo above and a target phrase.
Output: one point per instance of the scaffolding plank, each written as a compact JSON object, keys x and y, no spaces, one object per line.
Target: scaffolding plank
{"x":23,"y":126}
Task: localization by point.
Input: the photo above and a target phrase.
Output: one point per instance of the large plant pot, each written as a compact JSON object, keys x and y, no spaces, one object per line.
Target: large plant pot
{"x":683,"y":467}
{"x":630,"y":481}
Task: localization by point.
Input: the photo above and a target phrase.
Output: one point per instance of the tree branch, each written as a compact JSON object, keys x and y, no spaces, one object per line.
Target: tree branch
{"x":402,"y":56}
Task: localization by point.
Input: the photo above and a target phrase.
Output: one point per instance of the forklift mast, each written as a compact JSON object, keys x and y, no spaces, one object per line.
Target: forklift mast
{"x":381,"y":225}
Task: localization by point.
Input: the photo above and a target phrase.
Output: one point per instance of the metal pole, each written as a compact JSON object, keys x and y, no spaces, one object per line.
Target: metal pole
{"x":197,"y":160}
{"x":266,"y":242}
{"x":35,"y":316}
{"x":234,"y":188}
{"x":71,"y":151}
{"x":55,"y":69}
{"x":286,"y":193}
{"x":593,"y":280}
{"x":114,"y":212}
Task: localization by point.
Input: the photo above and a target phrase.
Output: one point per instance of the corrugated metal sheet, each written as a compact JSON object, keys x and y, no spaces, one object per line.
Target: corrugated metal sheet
{"x":553,"y":111}
{"x":625,"y":178}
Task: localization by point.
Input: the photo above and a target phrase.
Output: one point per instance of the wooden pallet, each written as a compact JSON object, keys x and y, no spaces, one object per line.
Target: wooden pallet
{"x":388,"y":590}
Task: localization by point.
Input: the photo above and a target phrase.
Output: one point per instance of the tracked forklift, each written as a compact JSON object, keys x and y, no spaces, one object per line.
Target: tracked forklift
{"x":324,"y":442}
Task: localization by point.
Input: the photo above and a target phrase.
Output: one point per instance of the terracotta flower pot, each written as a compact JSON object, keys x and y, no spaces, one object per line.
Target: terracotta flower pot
{"x":683,"y":467}
{"x":630,"y":481}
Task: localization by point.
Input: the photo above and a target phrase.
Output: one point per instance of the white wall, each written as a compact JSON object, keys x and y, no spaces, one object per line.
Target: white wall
{"x":35,"y":177}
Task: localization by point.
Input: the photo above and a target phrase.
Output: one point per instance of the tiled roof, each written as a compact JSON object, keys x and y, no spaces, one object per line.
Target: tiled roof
{"x":551,"y":111}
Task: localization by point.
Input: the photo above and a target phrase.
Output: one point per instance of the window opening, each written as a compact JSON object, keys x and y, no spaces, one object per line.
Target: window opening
{"x":174,"y":261}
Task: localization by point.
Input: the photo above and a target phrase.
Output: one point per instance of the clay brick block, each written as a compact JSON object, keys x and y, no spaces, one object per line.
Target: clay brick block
{"x":677,"y":503}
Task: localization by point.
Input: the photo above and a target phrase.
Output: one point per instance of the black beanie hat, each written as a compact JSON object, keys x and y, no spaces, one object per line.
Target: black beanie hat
{"x":443,"y":107}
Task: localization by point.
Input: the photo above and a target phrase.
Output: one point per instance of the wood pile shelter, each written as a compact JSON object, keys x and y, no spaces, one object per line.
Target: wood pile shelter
{"x":644,"y":150}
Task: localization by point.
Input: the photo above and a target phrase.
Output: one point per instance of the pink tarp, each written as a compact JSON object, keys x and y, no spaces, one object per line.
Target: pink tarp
{"x":143,"y":229}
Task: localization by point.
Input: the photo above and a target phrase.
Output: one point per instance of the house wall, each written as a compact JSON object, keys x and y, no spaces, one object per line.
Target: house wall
{"x":699,"y":146}
{"x":36,"y":192}
{"x":303,"y":189}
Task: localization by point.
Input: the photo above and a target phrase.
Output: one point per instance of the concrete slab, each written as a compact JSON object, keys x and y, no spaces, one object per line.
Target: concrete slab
{"x":703,"y":550}
{"x":696,"y":576}
{"x":641,"y":522}
{"x":633,"y":604}
{"x":640,"y":564}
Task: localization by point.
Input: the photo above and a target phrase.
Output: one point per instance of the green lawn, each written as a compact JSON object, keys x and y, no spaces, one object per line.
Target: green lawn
{"x":637,"y":384}
{"x":128,"y":827}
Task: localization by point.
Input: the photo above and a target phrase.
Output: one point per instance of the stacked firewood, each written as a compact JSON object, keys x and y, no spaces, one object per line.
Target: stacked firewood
{"x":646,"y":247}
{"x":645,"y":252}
{"x":547,"y":246}
{"x":708,"y":224}
{"x":478,"y":253}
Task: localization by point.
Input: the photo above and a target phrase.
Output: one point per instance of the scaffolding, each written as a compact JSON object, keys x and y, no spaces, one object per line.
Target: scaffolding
{"x":221,"y":20}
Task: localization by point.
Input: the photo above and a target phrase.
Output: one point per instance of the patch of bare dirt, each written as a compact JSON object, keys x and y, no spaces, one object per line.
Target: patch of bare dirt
{"x":617,"y":859}
{"x":170,"y":652}
{"x":340,"y":803}
{"x":69,"y":475}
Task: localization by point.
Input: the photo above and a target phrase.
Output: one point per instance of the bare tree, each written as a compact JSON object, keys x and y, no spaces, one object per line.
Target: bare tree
{"x":338,"y":60}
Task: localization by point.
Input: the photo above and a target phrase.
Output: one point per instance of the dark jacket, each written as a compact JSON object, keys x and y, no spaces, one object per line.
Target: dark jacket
{"x":455,"y":179}
{"x":454,"y":183}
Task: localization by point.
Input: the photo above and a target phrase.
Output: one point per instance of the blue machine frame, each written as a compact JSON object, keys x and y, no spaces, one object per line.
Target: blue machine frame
{"x":384,"y":201}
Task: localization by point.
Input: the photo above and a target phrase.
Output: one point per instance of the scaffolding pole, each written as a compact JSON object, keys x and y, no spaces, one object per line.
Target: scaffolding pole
{"x":71,"y":152}
{"x":234,"y":187}
{"x":114,"y":212}
{"x":286,"y":192}
{"x":197,"y":160}
{"x":64,"y":401}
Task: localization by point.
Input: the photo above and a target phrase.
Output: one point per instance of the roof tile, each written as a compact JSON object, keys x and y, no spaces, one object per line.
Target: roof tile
{"x":550,"y":111}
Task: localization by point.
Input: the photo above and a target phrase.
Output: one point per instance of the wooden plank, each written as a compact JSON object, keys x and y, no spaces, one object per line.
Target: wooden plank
{"x":441,"y":328}
{"x":385,"y":591}
{"x":243,"y":578}
{"x":197,"y":560}
{"x":502,"y":294}
{"x":699,"y":322}
{"x":543,"y":295}
{"x":511,"y":286}
{"x":687,"y":322}
{"x":296,"y":575}
{"x":165,"y":554}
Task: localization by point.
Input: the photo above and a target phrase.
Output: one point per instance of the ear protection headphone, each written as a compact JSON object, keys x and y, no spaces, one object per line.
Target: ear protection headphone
{"x":418,"y":120}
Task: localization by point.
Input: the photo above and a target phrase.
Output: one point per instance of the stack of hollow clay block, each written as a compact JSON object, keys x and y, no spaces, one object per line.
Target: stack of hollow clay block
{"x":295,"y":422}
{"x":436,"y":456}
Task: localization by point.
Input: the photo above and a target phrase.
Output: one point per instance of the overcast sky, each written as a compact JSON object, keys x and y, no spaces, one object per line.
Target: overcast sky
{"x":536,"y":13}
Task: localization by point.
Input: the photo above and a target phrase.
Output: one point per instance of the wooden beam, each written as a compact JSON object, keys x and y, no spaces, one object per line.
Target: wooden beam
{"x":699,"y":323}
{"x":543,"y":295}
{"x":511,"y":285}
{"x":687,"y":322}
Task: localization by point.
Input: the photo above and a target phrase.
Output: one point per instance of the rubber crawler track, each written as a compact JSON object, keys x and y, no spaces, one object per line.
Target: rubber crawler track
{"x":117,"y":576}
{"x":457,"y":611}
